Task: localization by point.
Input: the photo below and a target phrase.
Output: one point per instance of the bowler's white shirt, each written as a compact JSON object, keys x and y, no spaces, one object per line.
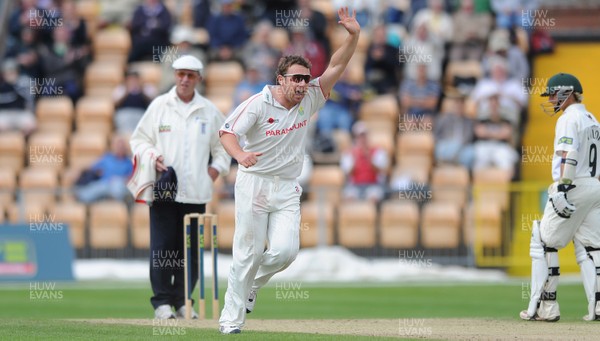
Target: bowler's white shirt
{"x":271,"y":129}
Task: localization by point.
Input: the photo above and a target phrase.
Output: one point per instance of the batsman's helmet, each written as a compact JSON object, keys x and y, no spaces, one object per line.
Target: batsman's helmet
{"x":562,"y":85}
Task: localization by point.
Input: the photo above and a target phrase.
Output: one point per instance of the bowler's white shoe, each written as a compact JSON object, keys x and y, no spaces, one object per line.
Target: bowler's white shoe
{"x":251,"y":301}
{"x":523,"y":315}
{"x":164,"y":312}
{"x":229,"y":330}
{"x":180,"y":313}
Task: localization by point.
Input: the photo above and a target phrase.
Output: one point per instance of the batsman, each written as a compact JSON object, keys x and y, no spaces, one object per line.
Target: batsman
{"x":573,"y":208}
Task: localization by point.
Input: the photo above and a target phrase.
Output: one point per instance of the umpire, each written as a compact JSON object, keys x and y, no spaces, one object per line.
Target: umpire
{"x":180,"y":129}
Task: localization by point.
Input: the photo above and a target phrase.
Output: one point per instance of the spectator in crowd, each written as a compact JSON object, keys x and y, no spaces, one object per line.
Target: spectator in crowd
{"x":74,"y":23}
{"x":107,"y":178}
{"x":183,"y":43}
{"x":20,"y":19}
{"x":366,"y":10}
{"x":250,"y":85}
{"x":201,"y":13}
{"x":316,"y":22}
{"x":64,"y":65}
{"x":273,"y":8}
{"x":227,"y":31}
{"x":419,"y":97}
{"x":340,"y":111}
{"x":438,"y":22}
{"x":26,"y":53}
{"x":513,"y":97}
{"x":365,"y":167}
{"x":302,"y":43}
{"x":131,"y":100}
{"x":422,"y":47}
{"x":16,"y":106}
{"x":453,"y":133}
{"x":493,"y":136}
{"x":502,"y":45}
{"x":150,"y":28}
{"x":471,"y":30}
{"x":382,"y":69}
{"x":258,"y":48}
{"x":513,"y":13}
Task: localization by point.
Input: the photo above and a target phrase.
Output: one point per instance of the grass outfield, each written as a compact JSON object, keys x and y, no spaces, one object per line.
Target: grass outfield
{"x":44,"y":311}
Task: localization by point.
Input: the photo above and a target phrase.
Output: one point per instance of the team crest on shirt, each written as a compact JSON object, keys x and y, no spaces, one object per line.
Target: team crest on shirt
{"x":164,"y":128}
{"x":565,"y":140}
{"x":301,"y":110}
{"x":272,"y":120}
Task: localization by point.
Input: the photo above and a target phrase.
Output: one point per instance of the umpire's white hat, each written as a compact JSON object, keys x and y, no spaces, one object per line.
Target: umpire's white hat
{"x":188,"y":62}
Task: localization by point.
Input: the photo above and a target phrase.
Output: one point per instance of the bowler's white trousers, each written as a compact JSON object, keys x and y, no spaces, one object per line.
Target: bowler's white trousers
{"x":266,"y":237}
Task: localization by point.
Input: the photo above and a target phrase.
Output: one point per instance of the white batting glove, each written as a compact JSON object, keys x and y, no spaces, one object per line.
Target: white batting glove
{"x":561,"y":205}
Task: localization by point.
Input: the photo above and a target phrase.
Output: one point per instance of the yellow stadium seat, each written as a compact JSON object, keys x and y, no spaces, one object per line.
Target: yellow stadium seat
{"x":39,"y":185}
{"x":328,"y":180}
{"x":103,"y":75}
{"x":226,"y":223}
{"x":440,"y":225}
{"x":492,"y":185}
{"x":399,"y":224}
{"x":12,"y":150}
{"x":112,"y":44}
{"x":26,"y":212}
{"x":140,"y":226}
{"x":415,"y":143}
{"x":85,"y":148}
{"x":55,"y":114}
{"x":223,"y":74}
{"x":357,"y":224}
{"x":311,"y":212}
{"x":450,"y":183}
{"x":75,"y":215}
{"x":8,"y":184}
{"x":108,"y":225}
{"x":94,"y":114}
{"x":150,"y":72}
{"x":47,"y":149}
{"x":279,"y":38}
{"x":485,"y":224}
{"x":383,"y":107}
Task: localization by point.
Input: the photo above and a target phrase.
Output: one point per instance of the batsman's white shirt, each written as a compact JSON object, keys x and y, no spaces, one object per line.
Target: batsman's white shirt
{"x":577,"y":130}
{"x":275,"y":131}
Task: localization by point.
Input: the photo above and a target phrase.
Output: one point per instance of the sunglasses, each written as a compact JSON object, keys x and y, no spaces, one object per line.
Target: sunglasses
{"x":298,"y":77}
{"x":189,"y":74}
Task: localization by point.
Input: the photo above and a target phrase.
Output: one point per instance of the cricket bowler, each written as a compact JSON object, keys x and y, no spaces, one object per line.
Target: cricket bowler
{"x":267,"y":193}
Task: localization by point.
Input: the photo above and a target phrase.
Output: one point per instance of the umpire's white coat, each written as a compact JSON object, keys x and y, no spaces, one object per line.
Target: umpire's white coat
{"x":185,"y":135}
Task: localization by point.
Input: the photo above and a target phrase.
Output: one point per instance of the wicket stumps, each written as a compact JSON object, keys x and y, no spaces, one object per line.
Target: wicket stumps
{"x":201,"y":220}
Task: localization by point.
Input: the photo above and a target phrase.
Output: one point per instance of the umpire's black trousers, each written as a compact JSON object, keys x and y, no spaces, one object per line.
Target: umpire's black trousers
{"x":167,"y":252}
